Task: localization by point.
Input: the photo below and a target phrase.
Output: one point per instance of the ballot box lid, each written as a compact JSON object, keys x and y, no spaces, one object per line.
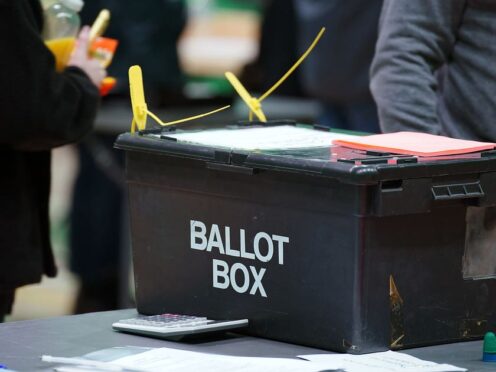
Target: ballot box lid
{"x":343,"y":164}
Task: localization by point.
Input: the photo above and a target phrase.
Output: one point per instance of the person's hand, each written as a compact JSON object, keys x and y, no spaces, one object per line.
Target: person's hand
{"x":80,"y":58}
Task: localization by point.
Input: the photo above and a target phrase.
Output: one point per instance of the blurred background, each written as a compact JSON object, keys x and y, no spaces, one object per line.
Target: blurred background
{"x":184,"y":47}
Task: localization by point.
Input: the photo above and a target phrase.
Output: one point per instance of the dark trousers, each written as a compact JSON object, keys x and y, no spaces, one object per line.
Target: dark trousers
{"x":6,"y":302}
{"x":96,"y":223}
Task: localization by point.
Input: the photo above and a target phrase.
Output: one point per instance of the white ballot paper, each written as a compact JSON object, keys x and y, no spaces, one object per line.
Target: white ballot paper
{"x":388,"y":361}
{"x":171,"y":360}
{"x":283,"y":137}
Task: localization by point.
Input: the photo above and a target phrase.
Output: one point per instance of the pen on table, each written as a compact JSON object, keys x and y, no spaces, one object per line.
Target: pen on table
{"x":5,"y":369}
{"x":87,"y":363}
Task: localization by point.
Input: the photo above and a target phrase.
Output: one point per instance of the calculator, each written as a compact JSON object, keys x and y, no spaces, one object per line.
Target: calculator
{"x":175,"y":326}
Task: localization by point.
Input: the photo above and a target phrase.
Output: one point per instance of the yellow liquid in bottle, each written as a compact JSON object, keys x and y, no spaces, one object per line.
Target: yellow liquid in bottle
{"x":61,"y":49}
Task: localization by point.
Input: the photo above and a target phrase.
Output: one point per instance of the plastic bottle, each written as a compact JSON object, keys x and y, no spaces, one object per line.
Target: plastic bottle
{"x":489,"y":347}
{"x":60,"y":29}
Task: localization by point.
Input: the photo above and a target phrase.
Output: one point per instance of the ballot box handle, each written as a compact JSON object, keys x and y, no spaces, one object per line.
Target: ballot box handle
{"x":472,"y":190}
{"x":410,"y":196}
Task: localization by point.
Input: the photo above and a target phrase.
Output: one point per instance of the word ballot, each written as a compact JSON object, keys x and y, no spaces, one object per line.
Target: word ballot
{"x":241,"y":277}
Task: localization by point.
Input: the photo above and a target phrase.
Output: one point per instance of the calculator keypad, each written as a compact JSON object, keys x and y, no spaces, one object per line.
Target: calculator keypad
{"x":166,"y":320}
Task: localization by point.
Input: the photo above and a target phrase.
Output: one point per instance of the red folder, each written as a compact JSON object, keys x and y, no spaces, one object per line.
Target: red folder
{"x":414,"y":143}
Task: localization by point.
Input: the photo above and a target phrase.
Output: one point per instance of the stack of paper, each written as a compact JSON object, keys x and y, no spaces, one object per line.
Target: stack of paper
{"x":413,"y":143}
{"x":172,"y":360}
{"x":265,"y":138}
{"x":388,"y":361}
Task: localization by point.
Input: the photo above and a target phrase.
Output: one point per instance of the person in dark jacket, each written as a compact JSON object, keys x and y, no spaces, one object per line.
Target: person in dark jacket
{"x":434,"y":68}
{"x":337,"y":71}
{"x":39,"y":110}
{"x":147,"y":32}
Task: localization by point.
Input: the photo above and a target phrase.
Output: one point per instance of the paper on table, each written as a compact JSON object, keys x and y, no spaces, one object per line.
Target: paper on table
{"x":171,"y":360}
{"x":388,"y":361}
{"x":76,"y":369}
{"x":413,"y":143}
{"x":265,"y":138}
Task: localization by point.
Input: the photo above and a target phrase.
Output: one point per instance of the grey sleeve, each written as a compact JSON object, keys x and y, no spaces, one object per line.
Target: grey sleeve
{"x":415,"y":39}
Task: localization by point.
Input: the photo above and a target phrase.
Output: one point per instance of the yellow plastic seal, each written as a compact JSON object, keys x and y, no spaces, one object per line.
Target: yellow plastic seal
{"x":255,"y":104}
{"x":140,"y":109}
{"x":138,"y":104}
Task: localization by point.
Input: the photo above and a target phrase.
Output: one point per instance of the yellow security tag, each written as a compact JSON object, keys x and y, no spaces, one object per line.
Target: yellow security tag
{"x":295,"y":66}
{"x":138,"y":103}
{"x":166,"y":124}
{"x":252,"y":102}
{"x":255,"y":104}
{"x":140,"y":110}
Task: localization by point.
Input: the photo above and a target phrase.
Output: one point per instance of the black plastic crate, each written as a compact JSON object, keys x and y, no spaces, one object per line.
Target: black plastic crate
{"x":340,"y":254}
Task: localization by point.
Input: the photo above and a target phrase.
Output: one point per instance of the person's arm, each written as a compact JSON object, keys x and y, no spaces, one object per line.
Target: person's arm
{"x":416,"y":38}
{"x":39,"y":108}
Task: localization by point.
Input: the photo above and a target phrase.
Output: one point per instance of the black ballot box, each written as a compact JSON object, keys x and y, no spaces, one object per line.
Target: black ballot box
{"x":328,"y":247}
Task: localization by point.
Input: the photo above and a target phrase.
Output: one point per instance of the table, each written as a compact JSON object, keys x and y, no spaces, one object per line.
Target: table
{"x":22,"y":343}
